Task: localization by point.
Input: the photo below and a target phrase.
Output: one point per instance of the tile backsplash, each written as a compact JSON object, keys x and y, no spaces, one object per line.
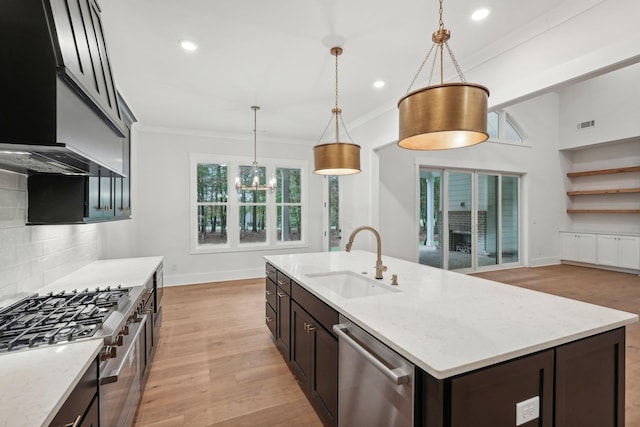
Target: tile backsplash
{"x":34,"y":256}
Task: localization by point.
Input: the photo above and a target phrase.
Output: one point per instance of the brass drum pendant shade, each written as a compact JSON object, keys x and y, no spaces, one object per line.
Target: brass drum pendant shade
{"x":336,"y":158}
{"x":445,"y":115}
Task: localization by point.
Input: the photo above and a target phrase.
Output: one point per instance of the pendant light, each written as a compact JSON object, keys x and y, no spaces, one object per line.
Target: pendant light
{"x":445,"y":115}
{"x":336,"y":158}
{"x":255,"y":170}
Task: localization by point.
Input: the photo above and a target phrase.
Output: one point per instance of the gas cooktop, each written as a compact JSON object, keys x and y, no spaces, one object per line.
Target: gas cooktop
{"x":53,"y":318}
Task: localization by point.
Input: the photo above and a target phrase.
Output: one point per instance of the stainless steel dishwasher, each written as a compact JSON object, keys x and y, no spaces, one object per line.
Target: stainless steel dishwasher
{"x":375,"y":384}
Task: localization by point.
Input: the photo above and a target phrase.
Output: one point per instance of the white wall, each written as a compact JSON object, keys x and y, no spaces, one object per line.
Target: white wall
{"x":34,"y":256}
{"x":538,"y":162}
{"x":160,"y":208}
{"x":611,"y":100}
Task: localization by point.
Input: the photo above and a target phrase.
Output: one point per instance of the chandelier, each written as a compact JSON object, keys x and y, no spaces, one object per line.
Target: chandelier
{"x":445,"y":115}
{"x":256,"y":172}
{"x":336,"y":158}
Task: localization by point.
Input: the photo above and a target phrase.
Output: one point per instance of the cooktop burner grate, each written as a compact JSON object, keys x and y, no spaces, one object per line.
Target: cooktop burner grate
{"x":53,"y":318}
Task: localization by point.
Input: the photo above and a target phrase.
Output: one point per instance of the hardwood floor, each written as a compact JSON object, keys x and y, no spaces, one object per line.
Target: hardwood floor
{"x":216,"y":364}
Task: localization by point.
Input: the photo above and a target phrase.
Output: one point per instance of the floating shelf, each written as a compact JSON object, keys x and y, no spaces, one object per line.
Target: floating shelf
{"x":604,"y":211}
{"x":610,"y":191}
{"x":604,"y":171}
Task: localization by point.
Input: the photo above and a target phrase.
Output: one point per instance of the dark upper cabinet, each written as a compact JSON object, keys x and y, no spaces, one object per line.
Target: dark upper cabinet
{"x":81,"y":54}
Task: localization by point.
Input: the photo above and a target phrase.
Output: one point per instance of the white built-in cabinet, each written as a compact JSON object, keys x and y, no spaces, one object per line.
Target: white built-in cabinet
{"x":619,"y":251}
{"x":610,"y":250}
{"x":579,"y":247}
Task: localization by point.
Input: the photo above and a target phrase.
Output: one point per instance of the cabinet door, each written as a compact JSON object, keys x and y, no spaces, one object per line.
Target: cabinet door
{"x":283,"y":331}
{"x":629,"y":252}
{"x":587,"y":248}
{"x":324,"y":384}
{"x":590,"y":381}
{"x":100,"y":197}
{"x":608,"y":250}
{"x":569,"y":247}
{"x":301,"y":345}
{"x":488,"y":397}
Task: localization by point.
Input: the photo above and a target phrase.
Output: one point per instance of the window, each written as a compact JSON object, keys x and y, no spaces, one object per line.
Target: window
{"x":503,"y":128}
{"x":224,"y":219}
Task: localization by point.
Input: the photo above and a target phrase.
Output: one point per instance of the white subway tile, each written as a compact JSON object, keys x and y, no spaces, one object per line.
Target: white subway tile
{"x":8,"y":290}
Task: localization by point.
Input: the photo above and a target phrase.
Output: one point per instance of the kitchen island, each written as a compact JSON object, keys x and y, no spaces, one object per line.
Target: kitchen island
{"x":456,"y":328}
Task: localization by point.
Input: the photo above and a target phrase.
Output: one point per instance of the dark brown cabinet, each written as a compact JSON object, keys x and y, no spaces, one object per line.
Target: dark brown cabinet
{"x":278,"y":308}
{"x":81,"y":407}
{"x":578,"y":384}
{"x":314,"y":351}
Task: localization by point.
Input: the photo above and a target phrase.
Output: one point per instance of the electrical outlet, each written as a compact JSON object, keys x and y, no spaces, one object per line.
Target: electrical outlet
{"x":527,"y":410}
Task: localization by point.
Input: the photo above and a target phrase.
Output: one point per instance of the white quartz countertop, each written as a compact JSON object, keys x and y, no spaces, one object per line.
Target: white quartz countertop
{"x":449,"y":323}
{"x":128,"y":272}
{"x":35,"y":383}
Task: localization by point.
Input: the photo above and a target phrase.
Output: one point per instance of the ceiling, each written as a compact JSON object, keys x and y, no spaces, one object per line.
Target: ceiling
{"x":275,"y":54}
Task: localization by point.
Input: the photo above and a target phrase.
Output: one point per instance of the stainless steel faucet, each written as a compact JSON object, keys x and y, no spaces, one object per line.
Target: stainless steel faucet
{"x":379,"y":267}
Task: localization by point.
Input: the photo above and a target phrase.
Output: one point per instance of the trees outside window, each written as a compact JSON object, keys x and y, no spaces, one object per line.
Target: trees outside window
{"x":252,"y":218}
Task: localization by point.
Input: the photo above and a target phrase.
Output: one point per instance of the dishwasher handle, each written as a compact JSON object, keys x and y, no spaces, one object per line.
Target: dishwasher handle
{"x":113,"y":377}
{"x":398,"y":376}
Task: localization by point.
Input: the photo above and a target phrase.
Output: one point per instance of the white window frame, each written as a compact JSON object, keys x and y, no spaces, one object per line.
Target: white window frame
{"x":505,"y":119}
{"x":233,"y":220}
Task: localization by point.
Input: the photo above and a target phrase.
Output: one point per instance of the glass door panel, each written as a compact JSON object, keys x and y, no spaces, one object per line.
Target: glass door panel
{"x":430,"y":237}
{"x":510,"y":215}
{"x":487,"y":220}
{"x":334,"y":214}
{"x":459,"y":220}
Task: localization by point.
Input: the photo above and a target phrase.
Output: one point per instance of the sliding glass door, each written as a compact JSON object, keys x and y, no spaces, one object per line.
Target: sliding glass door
{"x":478,"y":229}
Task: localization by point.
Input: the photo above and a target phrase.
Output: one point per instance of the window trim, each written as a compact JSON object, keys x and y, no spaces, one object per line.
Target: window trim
{"x":233,"y":240}
{"x":505,"y":118}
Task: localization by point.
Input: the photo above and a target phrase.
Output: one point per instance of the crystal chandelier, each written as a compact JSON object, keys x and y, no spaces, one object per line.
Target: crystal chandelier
{"x":255,"y":170}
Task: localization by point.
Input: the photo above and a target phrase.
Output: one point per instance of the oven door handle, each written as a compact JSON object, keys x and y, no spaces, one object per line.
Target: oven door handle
{"x":112,"y":378}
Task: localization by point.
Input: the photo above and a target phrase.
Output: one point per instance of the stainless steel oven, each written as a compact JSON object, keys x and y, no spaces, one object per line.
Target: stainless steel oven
{"x":119,"y":377}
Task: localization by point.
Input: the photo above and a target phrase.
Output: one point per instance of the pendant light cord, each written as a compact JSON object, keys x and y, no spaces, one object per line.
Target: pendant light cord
{"x":255,"y":144}
{"x":337,"y":109}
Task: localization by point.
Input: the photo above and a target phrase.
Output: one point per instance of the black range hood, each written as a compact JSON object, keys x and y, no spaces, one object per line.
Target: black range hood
{"x":59,"y":110}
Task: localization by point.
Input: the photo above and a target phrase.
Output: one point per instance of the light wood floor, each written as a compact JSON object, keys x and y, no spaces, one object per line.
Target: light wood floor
{"x":216,"y":364}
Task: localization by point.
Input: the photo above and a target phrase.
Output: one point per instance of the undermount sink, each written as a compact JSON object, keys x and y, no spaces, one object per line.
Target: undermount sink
{"x":348,"y":284}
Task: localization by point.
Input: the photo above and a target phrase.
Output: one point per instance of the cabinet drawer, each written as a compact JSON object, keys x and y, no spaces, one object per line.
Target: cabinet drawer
{"x":324,"y":314}
{"x":271,"y":273}
{"x":284,"y":282}
{"x":80,"y":398}
{"x":270,"y":318}
{"x":270,"y":293}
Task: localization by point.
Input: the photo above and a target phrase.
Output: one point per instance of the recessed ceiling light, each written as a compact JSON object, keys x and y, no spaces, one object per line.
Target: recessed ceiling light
{"x":188,"y":45}
{"x":378,"y":84}
{"x":480,"y":14}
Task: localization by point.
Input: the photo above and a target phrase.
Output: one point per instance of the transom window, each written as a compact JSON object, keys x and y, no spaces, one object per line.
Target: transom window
{"x":224,"y":219}
{"x":503,"y":128}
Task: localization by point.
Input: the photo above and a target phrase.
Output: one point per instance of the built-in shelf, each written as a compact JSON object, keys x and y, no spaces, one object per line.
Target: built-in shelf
{"x":609,"y":191}
{"x":604,"y":211}
{"x":604,"y":171}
